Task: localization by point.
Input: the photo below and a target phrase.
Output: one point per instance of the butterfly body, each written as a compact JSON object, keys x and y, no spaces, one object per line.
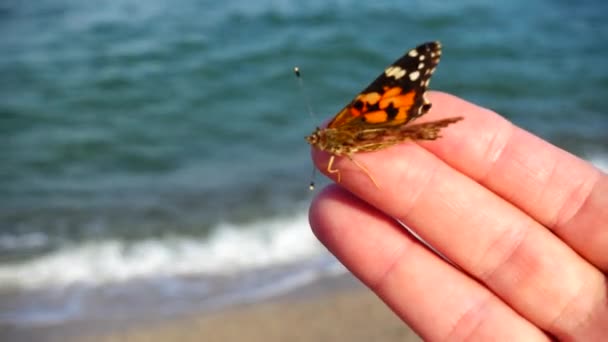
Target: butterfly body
{"x":377,"y":118}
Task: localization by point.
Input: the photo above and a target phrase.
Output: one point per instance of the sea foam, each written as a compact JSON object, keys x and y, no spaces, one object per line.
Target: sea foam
{"x":230,"y":249}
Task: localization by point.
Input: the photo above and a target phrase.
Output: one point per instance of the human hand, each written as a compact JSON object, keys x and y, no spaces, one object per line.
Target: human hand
{"x":525,"y":222}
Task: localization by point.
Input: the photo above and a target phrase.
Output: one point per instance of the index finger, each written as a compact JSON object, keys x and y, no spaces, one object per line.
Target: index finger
{"x":559,"y":190}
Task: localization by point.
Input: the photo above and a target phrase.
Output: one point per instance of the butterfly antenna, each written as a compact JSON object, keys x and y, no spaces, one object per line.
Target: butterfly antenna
{"x":296,"y":71}
{"x":311,"y":186}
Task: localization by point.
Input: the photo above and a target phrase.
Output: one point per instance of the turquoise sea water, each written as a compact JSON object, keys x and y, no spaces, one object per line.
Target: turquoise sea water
{"x":148,"y":142}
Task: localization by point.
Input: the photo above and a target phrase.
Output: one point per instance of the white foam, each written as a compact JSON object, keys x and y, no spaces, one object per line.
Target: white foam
{"x":600,"y":161}
{"x":230,"y":249}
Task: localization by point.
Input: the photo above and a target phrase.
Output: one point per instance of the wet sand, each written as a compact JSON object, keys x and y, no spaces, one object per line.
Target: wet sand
{"x":343,"y":311}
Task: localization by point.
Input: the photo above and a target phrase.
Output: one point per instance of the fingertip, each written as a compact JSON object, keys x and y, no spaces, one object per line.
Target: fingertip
{"x":319,"y":213}
{"x":315,"y":209}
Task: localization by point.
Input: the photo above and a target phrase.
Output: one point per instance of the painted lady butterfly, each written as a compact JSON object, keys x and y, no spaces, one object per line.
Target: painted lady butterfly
{"x":378,"y":117}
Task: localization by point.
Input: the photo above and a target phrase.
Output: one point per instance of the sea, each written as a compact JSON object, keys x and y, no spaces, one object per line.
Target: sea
{"x":152,"y":153}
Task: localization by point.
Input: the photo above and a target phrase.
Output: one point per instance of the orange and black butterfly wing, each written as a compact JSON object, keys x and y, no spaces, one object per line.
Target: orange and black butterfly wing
{"x":397,"y":95}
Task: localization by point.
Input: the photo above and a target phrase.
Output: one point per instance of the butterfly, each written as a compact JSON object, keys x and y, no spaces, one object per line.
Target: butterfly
{"x":379,"y":116}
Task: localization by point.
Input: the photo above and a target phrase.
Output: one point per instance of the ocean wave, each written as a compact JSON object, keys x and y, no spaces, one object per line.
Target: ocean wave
{"x":230,"y":249}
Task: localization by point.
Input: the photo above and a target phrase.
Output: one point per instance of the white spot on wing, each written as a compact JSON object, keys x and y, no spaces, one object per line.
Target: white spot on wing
{"x":422,"y":57}
{"x":413,"y":53}
{"x":394,"y":71}
{"x":421,"y":65}
{"x":414,"y":75}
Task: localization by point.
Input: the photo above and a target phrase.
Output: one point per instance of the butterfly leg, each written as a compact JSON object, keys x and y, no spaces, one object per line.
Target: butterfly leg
{"x":359,"y":165}
{"x":364,"y":169}
{"x":330,"y":164}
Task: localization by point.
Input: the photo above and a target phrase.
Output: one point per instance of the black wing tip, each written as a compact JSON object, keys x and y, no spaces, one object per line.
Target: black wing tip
{"x":429,"y":46}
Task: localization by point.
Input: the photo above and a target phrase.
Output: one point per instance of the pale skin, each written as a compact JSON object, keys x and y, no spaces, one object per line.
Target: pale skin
{"x":524,"y":222}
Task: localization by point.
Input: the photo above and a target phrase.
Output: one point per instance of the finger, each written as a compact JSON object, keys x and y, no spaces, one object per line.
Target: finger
{"x":437,"y":301}
{"x":516,"y":257}
{"x":562,"y":192}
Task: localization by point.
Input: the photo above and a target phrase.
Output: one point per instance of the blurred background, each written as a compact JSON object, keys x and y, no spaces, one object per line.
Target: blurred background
{"x":152,"y":160}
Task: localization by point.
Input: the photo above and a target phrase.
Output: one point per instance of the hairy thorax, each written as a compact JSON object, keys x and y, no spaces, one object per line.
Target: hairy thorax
{"x":345,"y":142}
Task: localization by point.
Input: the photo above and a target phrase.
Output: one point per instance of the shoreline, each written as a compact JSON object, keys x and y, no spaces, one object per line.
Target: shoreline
{"x":331,"y":309}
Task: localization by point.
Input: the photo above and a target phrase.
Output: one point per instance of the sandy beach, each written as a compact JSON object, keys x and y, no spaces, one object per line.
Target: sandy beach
{"x":338,"y":310}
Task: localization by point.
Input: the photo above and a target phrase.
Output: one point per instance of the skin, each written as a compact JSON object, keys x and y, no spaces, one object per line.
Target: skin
{"x":524,"y":224}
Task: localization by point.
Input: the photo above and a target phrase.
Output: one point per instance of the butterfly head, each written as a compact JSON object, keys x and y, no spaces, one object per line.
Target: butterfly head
{"x":315,"y":137}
